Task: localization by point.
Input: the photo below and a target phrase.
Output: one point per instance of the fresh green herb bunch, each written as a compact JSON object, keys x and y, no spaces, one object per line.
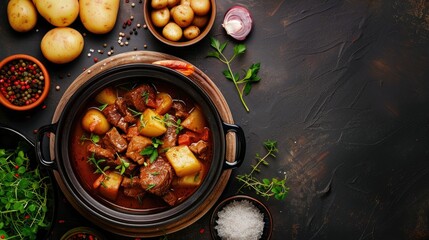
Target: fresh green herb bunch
{"x":250,"y":75}
{"x":273,"y":187}
{"x":24,"y":195}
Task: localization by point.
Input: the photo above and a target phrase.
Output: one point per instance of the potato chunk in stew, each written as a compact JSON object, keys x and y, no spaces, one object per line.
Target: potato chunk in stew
{"x":151,"y":124}
{"x":183,"y":161}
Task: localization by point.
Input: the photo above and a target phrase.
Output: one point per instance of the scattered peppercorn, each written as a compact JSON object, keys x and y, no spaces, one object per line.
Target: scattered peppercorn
{"x":21,"y":82}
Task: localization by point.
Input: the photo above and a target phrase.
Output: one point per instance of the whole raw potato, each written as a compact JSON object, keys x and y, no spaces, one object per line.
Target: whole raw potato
{"x":200,"y":7}
{"x":99,"y":16}
{"x":160,"y":17}
{"x":62,"y":45}
{"x":22,"y":15}
{"x":60,"y":13}
{"x":183,"y":15}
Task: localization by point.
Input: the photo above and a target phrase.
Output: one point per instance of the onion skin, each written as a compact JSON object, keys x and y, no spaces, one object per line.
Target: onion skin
{"x":237,"y":22}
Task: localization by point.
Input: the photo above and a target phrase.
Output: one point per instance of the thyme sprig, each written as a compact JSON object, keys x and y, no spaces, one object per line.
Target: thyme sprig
{"x":169,"y":122}
{"x":97,"y":163}
{"x":250,"y":75}
{"x":266,"y":187}
{"x":123,"y":166}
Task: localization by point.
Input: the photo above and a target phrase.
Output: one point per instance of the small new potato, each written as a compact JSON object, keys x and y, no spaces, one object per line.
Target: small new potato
{"x":172,"y":32}
{"x":62,"y":45}
{"x":172,"y":3}
{"x":200,"y":7}
{"x":191,"y":32}
{"x":95,"y":122}
{"x":183,"y":15}
{"x":99,"y":16}
{"x":22,"y":15}
{"x":159,"y":4}
{"x":200,"y":21}
{"x":185,"y":2}
{"x":160,"y":17}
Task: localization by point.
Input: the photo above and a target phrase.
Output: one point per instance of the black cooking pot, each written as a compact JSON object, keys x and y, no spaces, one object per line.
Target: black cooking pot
{"x":114,"y":218}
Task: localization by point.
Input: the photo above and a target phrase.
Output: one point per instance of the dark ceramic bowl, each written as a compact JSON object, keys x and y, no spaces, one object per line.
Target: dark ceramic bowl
{"x":268,"y":220}
{"x":132,"y":222}
{"x":11,"y":139}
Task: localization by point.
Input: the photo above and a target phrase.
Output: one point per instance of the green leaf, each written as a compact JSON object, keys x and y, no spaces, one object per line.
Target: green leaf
{"x":22,"y":170}
{"x":266,"y":181}
{"x":222,"y":46}
{"x":247,"y":88}
{"x":213,"y":54}
{"x":32,"y":207}
{"x":19,"y":161}
{"x":248,"y":74}
{"x":153,"y":156}
{"x":239,"y":49}
{"x":214,"y":43}
{"x":147,"y":151}
{"x":227,"y":75}
{"x":102,"y":107}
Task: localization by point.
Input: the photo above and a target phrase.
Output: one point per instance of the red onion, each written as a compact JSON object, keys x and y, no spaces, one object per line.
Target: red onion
{"x":237,"y":22}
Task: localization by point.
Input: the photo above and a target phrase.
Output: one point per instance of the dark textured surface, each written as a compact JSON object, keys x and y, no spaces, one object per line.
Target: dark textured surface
{"x":344,"y":91}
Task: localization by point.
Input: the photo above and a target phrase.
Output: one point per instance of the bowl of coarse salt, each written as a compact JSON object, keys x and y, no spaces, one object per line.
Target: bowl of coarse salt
{"x":241,"y":217}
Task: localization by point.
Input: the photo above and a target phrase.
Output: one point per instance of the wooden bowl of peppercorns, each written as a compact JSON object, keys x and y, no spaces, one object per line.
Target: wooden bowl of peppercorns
{"x":24,"y":82}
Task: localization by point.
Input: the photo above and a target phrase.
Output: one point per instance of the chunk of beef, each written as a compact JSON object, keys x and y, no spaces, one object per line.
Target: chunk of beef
{"x":134,"y":192}
{"x":136,"y":145}
{"x":170,"y":136}
{"x":170,"y":198}
{"x":180,"y":109}
{"x":131,"y":132}
{"x":122,"y":108}
{"x":200,"y":149}
{"x":101,"y":152}
{"x":130,"y":182}
{"x":114,"y":117}
{"x":132,"y":187}
{"x":157,"y":177}
{"x":114,"y":140}
{"x":141,"y":97}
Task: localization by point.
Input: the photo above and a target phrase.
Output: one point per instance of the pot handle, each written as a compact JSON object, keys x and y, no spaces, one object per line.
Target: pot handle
{"x":39,"y":141}
{"x":240,"y":143}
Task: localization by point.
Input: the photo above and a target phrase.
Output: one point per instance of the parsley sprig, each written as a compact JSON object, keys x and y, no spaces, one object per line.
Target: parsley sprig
{"x":250,"y":75}
{"x":273,"y":187}
{"x":152,"y":150}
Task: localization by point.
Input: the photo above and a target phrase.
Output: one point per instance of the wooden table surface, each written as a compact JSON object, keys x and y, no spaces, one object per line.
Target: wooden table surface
{"x":344,"y":92}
